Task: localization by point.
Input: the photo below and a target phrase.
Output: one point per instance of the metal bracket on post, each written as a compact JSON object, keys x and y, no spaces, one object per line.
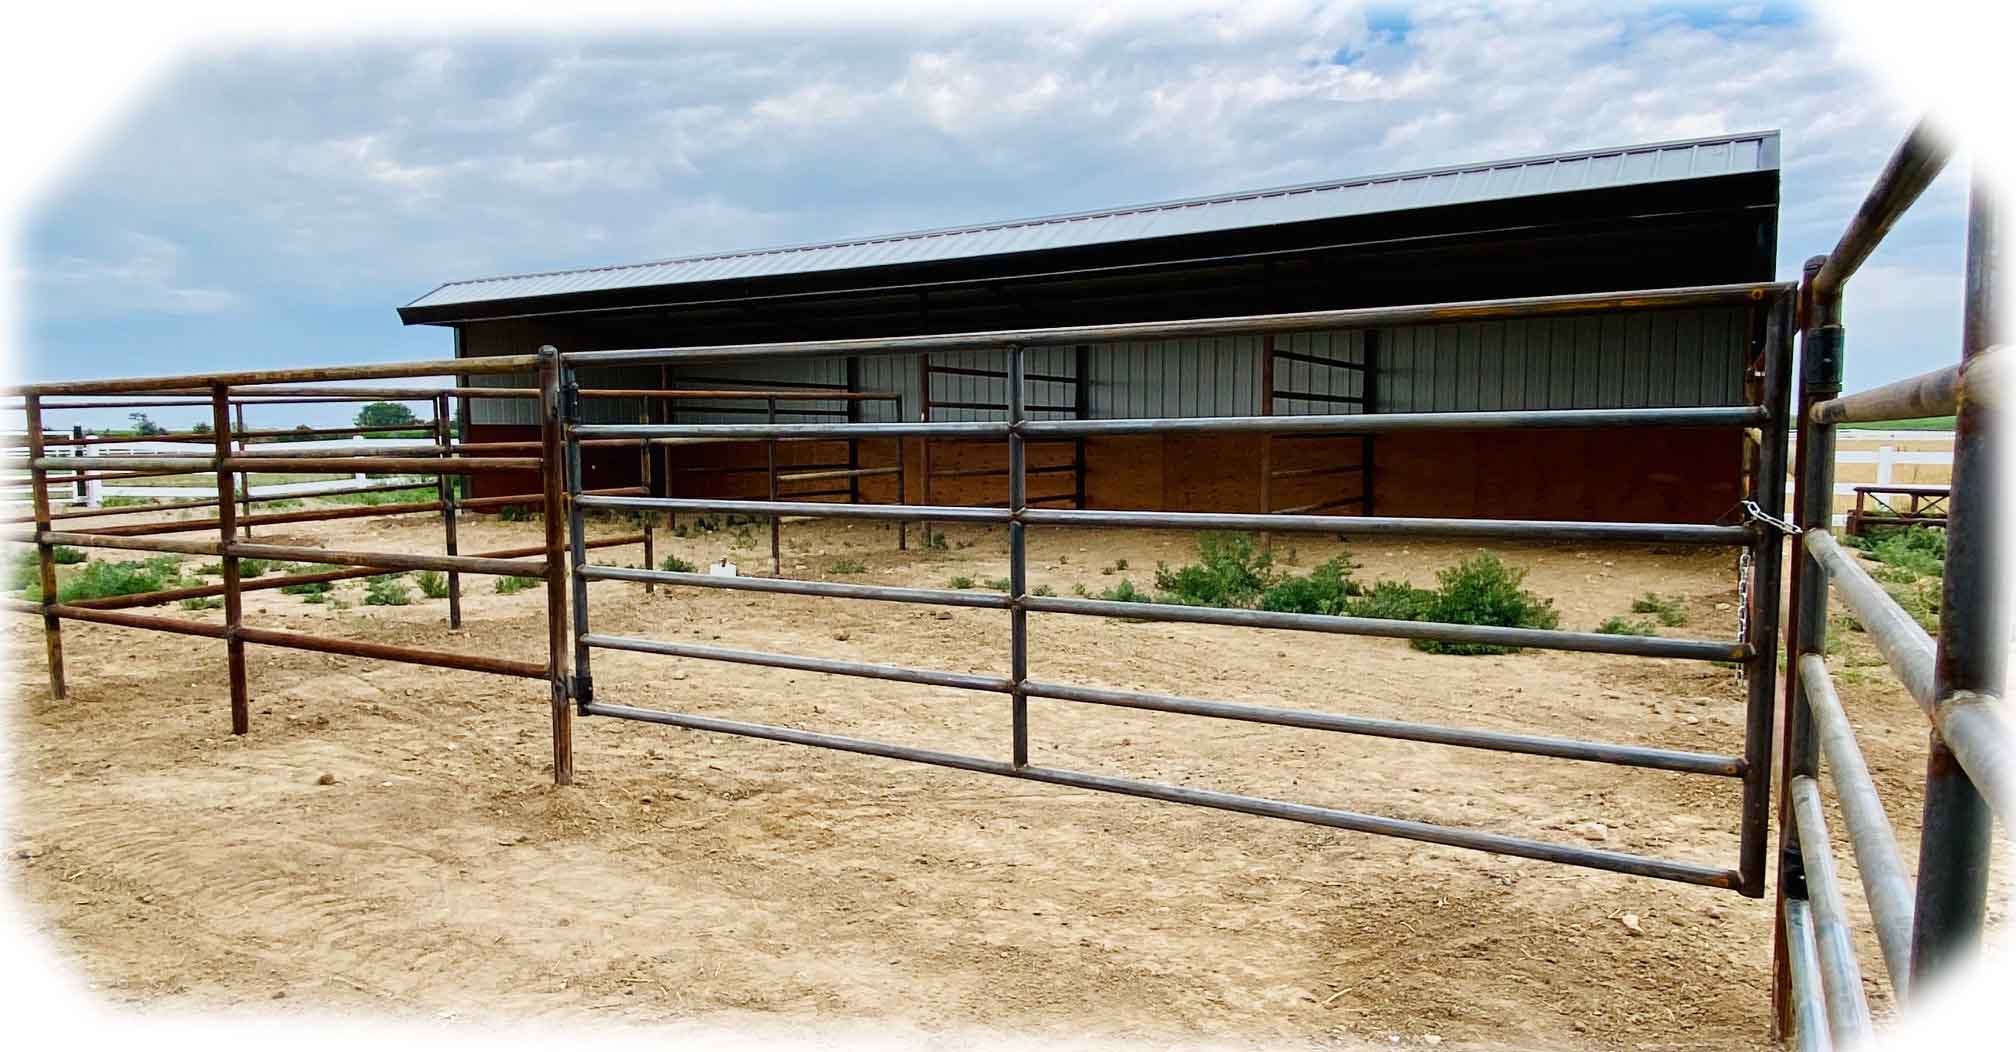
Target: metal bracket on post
{"x":1824,"y":353}
{"x":583,"y":689}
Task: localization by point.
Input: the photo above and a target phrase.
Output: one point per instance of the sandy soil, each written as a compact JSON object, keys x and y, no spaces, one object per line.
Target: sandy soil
{"x":697,"y":876}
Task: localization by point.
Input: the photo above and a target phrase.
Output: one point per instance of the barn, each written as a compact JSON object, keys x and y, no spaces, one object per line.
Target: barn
{"x":1658,"y":215}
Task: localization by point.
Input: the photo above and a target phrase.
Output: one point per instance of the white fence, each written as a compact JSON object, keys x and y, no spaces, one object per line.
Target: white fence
{"x":16,"y":494}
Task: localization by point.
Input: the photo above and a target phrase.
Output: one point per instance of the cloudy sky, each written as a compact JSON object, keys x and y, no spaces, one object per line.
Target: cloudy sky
{"x":271,"y":205}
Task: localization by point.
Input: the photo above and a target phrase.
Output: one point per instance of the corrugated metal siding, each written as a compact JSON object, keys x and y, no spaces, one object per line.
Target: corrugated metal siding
{"x":1460,"y":184}
{"x":1632,"y":360}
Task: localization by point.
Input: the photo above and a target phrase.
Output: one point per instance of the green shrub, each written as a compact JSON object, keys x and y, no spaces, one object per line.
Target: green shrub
{"x":847,"y":566}
{"x":126,"y":502}
{"x":934,"y":541}
{"x":1328,"y":589}
{"x":1393,"y":601}
{"x":960,"y":582}
{"x":1232,"y":572}
{"x":433,"y":583}
{"x":1119,"y":564}
{"x":674,"y":564}
{"x":312,"y":589}
{"x":1620,"y":626}
{"x":63,"y":555}
{"x":387,"y":590}
{"x":1671,"y":610}
{"x":510,"y":585}
{"x":999,"y":584}
{"x":26,"y":570}
{"x":1081,"y":591}
{"x":1482,"y":590}
{"x":1042,"y":589}
{"x":208,"y":602}
{"x":1125,"y":592}
{"x":515,"y":513}
{"x":1921,"y":600}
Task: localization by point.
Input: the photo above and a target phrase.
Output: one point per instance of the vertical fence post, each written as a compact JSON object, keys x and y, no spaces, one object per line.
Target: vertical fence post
{"x":770,"y":471}
{"x":1953,"y":849}
{"x":1018,"y":559}
{"x":644,"y":480}
{"x":924,"y":441}
{"x":1266,"y":438}
{"x":1820,"y":342}
{"x":554,"y":434}
{"x":244,"y":479}
{"x":227,"y":532}
{"x":902,"y":483}
{"x":1767,"y":562}
{"x":45,"y":554}
{"x":1368,"y":394}
{"x":444,"y":488}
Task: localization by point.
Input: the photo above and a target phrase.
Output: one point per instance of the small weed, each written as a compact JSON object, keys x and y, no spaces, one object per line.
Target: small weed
{"x":1081,"y":591}
{"x":1919,"y":550}
{"x":208,"y":602}
{"x":998,"y":584}
{"x":511,"y":585}
{"x":387,"y":590}
{"x":126,"y":502}
{"x":674,"y":564}
{"x":64,"y":555}
{"x":1125,"y":592}
{"x":99,"y":580}
{"x":961,"y":582}
{"x":934,"y":541}
{"x":1671,"y":610}
{"x":847,"y":566}
{"x":1043,"y":589}
{"x":433,"y":583}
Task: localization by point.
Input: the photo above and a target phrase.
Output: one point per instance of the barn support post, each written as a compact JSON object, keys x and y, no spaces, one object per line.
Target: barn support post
{"x":45,"y":554}
{"x":1266,"y":439}
{"x":227,"y":533}
{"x":553,"y":426}
{"x":1821,"y":341}
{"x":1018,"y":561}
{"x":1368,"y":393}
{"x":644,"y":481}
{"x":770,"y":473}
{"x":444,"y":488}
{"x":1081,"y":404}
{"x":902,"y":485}
{"x":1973,"y":639}
{"x":1767,"y":562}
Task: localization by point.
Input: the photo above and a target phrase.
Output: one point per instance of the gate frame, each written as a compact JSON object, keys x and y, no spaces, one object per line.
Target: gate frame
{"x":1766,"y":422}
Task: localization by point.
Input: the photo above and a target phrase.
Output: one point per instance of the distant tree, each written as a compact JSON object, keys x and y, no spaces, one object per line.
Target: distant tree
{"x":201,"y":428}
{"x":142,"y":425}
{"x":302,"y":433}
{"x":385,"y":414}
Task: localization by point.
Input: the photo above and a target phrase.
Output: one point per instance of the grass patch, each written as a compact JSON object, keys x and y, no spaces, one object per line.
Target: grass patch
{"x":1621,"y":626}
{"x":433,"y":583}
{"x":961,"y":582}
{"x":1918,"y":550}
{"x":674,"y":564}
{"x":511,"y":585}
{"x":312,"y":589}
{"x":208,"y":602}
{"x":1671,"y":610}
{"x":410,"y":495}
{"x":999,"y":584}
{"x":1043,"y":589}
{"x":99,"y":580}
{"x":1916,"y":423}
{"x":839,"y":566}
{"x":125,"y":502}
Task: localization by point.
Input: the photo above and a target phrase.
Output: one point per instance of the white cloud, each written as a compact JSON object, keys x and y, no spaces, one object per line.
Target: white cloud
{"x":137,"y":274}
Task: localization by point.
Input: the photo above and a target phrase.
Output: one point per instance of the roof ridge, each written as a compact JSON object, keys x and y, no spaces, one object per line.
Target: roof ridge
{"x":1122,"y":210}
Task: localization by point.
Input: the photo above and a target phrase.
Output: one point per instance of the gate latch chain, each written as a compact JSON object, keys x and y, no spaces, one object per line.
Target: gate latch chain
{"x":1756,"y":514}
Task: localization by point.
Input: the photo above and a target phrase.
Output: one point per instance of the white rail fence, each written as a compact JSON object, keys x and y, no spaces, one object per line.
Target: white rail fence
{"x":15,"y":494}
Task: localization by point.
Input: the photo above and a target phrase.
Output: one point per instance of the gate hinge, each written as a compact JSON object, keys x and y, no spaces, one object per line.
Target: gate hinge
{"x":1822,"y":356}
{"x":583,"y":689}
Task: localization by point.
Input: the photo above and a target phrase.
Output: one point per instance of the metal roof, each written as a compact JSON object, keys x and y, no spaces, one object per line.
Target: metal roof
{"x":1331,"y":199}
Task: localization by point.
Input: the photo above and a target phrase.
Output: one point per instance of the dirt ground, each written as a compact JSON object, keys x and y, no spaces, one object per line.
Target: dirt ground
{"x":697,"y":876}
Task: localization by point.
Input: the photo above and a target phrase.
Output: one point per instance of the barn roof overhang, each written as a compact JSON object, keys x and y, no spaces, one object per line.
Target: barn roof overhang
{"x":1701,"y":199}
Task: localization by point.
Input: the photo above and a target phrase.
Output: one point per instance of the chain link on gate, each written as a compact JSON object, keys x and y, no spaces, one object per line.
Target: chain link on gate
{"x":1745,"y":571}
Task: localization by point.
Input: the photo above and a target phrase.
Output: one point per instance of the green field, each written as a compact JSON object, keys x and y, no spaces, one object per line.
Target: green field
{"x":1922,"y":423}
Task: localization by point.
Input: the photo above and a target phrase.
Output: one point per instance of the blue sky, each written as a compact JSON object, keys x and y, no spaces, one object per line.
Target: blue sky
{"x":272,"y":205}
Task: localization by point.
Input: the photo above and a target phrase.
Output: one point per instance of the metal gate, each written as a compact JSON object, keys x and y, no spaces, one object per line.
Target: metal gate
{"x":1764,"y":418}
